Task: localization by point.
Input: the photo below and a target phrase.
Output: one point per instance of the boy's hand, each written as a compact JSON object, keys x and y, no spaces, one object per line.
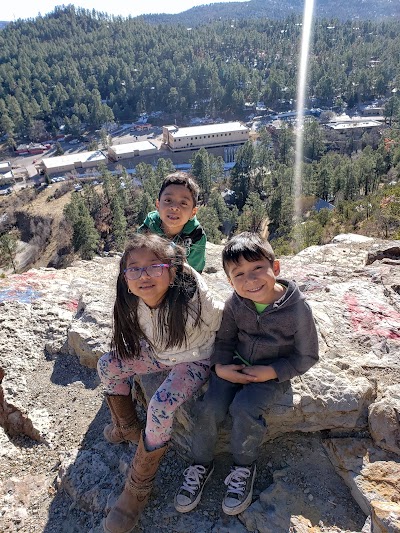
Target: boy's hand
{"x":261,"y":373}
{"x":233,"y":373}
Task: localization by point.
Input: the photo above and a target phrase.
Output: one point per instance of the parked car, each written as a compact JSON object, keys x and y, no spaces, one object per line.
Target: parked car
{"x":74,"y":141}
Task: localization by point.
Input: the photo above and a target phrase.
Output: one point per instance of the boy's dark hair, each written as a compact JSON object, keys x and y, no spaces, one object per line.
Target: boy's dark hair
{"x":174,"y":310}
{"x":181,"y":178}
{"x":250,"y":246}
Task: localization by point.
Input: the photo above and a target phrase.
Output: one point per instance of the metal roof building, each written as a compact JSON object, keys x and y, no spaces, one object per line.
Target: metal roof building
{"x":346,"y":125}
{"x":68,"y":162}
{"x":129,"y":150}
{"x":207,"y":136}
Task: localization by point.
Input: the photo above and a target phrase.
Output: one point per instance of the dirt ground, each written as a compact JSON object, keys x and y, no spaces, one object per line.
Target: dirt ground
{"x":30,"y":501}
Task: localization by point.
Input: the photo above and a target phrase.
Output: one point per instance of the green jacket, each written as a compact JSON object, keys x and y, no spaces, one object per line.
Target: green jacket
{"x":192,"y":238}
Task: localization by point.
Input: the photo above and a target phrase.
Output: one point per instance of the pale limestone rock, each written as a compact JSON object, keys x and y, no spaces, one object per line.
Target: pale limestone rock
{"x":349,"y":238}
{"x":16,"y":494}
{"x":83,"y":343}
{"x":356,"y":306}
{"x":344,"y":403}
{"x":369,"y":472}
{"x":385,"y":517}
{"x":70,"y":310}
{"x":384,"y":420}
{"x":7,"y":449}
{"x":293,"y":502}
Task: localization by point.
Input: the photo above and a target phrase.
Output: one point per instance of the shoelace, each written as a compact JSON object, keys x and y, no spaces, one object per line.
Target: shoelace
{"x":193,"y":476}
{"x":236,"y":480}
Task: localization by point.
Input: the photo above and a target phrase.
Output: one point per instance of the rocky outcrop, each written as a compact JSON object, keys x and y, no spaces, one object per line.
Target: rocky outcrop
{"x":48,"y":316}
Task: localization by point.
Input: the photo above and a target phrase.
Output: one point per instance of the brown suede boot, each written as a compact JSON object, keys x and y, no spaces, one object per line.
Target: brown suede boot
{"x":125,"y":424}
{"x":126,"y":512}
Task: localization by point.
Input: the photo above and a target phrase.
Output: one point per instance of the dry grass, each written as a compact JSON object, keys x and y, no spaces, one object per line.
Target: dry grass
{"x":52,"y":209}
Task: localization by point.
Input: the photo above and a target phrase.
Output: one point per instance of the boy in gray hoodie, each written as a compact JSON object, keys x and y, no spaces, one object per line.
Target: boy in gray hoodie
{"x":267,"y":336}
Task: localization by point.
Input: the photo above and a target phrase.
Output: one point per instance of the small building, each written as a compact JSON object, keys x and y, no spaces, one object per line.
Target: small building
{"x":207,"y":136}
{"x":358,"y":125}
{"x":32,"y":149}
{"x":22,"y":149}
{"x":69,"y":162}
{"x":373,"y":111}
{"x":5,"y":166}
{"x":141,"y":127}
{"x":129,"y":150}
{"x":6,"y":174}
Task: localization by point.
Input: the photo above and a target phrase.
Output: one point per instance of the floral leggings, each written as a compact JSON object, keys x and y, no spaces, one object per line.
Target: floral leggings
{"x":183,"y":380}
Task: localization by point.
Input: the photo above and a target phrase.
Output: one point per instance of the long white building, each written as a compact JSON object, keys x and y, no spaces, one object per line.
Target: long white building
{"x":68,"y":162}
{"x":208,"y":136}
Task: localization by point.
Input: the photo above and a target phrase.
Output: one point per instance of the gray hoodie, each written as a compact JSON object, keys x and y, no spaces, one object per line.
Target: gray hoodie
{"x":283,"y":336}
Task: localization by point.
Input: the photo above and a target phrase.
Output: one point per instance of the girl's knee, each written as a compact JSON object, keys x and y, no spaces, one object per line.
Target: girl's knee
{"x":102,"y":364}
{"x":107,"y":366}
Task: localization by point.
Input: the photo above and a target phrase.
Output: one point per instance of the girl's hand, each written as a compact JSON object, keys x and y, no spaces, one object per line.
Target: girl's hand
{"x":260,"y":373}
{"x":233,"y":373}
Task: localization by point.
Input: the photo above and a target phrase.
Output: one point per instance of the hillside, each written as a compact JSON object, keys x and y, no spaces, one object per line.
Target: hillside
{"x":331,"y":460}
{"x":273,"y":9}
{"x":123,"y":67}
{"x":39,"y":218}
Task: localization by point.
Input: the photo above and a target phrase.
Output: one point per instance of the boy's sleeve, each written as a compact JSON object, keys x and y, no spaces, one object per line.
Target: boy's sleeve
{"x":305,"y":352}
{"x":197,"y":253}
{"x":226,"y":339}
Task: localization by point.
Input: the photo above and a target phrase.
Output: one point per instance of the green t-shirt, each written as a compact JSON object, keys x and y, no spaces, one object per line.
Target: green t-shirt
{"x":260,"y":307}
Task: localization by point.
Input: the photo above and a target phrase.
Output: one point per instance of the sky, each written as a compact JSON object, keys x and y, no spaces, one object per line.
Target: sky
{"x":30,"y":9}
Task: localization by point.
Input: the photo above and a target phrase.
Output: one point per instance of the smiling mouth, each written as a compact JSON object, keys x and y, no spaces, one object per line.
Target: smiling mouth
{"x":173,"y":217}
{"x":254,"y":290}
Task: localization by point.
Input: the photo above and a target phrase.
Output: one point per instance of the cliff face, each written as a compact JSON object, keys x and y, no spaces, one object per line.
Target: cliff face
{"x":343,"y":414}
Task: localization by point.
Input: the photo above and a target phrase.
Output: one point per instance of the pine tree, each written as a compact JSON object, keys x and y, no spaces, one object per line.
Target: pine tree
{"x":8,"y":249}
{"x":254,"y":214}
{"x":201,"y":170}
{"x":85,"y":238}
{"x":227,"y":217}
{"x":208,"y":218}
{"x":241,"y":173}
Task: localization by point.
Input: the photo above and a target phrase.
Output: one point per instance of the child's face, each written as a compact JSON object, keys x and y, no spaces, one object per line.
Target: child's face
{"x":255,"y":280}
{"x":175,"y":207}
{"x":150,"y":289}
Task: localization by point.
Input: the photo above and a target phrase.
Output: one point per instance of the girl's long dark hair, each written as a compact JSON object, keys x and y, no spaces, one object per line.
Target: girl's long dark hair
{"x":173,"y":311}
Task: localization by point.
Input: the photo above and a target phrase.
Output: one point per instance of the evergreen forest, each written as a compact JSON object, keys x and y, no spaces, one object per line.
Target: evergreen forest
{"x":76,"y":67}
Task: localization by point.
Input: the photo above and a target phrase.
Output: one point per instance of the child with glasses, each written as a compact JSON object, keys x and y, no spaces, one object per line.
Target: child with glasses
{"x":267,"y":336}
{"x":164,"y":319}
{"x":175,"y":217}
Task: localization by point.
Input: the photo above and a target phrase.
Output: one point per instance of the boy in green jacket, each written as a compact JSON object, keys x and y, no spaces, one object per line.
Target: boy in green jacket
{"x":176,"y":220}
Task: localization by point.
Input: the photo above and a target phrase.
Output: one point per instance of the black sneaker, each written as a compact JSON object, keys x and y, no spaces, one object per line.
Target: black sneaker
{"x":189,"y":495}
{"x":240,"y":489}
